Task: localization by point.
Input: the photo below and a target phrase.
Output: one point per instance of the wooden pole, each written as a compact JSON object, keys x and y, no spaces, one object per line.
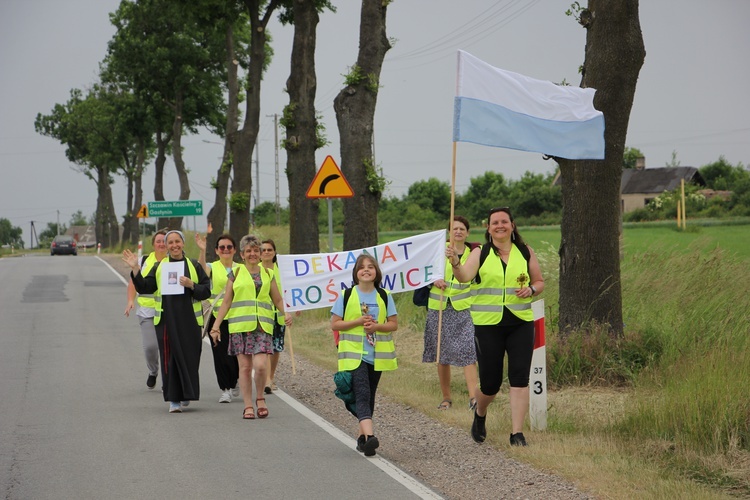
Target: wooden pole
{"x":288,"y":335}
{"x":684,"y":223}
{"x":450,"y":235}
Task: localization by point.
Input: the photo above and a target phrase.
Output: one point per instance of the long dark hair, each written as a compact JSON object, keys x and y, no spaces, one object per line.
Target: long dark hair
{"x":515,"y":236}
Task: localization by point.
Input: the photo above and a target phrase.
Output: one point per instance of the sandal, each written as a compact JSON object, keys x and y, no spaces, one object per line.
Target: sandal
{"x":248,"y":415}
{"x":445,"y":404}
{"x":262,"y":411}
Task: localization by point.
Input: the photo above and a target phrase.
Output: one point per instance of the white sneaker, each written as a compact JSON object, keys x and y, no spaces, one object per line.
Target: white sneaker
{"x":175,"y":407}
{"x":226,"y":397}
{"x":236,"y":392}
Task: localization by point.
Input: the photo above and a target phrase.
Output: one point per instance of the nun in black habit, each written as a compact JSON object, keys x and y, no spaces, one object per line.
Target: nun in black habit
{"x":178,"y":323}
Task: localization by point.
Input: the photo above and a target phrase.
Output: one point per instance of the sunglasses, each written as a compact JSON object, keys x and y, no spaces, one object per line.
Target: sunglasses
{"x":226,"y":247}
{"x":266,"y":250}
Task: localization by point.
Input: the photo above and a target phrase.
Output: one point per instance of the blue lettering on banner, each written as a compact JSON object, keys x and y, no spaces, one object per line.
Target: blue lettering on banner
{"x":297,"y":272}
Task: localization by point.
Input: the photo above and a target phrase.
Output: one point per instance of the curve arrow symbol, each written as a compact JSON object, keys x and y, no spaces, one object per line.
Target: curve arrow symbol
{"x":325,"y":182}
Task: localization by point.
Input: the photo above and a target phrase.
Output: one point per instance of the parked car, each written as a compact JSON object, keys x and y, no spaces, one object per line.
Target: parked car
{"x":63,"y":245}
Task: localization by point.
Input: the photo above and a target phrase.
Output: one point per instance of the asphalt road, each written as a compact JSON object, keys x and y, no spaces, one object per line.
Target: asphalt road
{"x":76,"y":419}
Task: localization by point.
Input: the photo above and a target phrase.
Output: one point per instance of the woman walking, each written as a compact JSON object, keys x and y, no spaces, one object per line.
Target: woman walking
{"x":146,"y":308}
{"x":507,"y":275}
{"x":226,"y":367}
{"x":178,"y":318}
{"x":248,"y":309}
{"x":268,"y":258}
{"x":457,"y":336}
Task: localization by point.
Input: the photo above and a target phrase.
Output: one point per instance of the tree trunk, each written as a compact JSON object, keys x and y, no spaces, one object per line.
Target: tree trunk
{"x":355,"y":111}
{"x":107,"y":229}
{"x":242,"y":184}
{"x":590,"y":288}
{"x":127,"y":221}
{"x":138,"y":195}
{"x":217,"y":216}
{"x":179,"y":163}
{"x":134,"y":175}
{"x":301,"y":131}
{"x":161,"y":159}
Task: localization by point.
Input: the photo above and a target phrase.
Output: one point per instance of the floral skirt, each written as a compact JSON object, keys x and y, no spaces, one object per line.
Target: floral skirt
{"x":457,"y":346}
{"x":257,"y":342}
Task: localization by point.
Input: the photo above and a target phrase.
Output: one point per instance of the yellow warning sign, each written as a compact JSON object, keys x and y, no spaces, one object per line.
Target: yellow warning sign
{"x":143,"y":212}
{"x":329,"y":182}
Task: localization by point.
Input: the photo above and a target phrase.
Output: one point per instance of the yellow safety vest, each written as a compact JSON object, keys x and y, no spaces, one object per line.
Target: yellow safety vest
{"x":147,"y":299}
{"x":498,"y":289}
{"x":197,"y":306}
{"x":248,"y":309}
{"x":459,"y":293}
{"x":219,"y":282}
{"x":351,"y":342}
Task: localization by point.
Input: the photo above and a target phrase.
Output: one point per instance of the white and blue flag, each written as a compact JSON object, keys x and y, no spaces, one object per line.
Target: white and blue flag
{"x":499,"y":108}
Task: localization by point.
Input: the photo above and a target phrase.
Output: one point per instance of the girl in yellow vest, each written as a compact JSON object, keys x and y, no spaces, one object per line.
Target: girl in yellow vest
{"x":505,"y":282}
{"x":366,"y":324}
{"x":457,"y":335}
{"x":225,"y":366}
{"x":248,"y":308}
{"x":146,"y":308}
{"x":178,"y":319}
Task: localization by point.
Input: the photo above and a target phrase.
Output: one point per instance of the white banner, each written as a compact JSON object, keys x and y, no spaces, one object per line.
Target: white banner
{"x":316,"y":280}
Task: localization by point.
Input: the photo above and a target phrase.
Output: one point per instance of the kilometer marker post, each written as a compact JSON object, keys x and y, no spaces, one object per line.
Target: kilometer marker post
{"x":538,"y":375}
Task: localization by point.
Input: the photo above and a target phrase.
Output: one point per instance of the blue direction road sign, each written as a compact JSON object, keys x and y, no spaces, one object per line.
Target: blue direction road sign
{"x":178,"y":208}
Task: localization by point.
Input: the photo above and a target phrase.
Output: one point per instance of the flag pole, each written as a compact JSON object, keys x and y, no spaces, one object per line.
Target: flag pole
{"x":450,"y":235}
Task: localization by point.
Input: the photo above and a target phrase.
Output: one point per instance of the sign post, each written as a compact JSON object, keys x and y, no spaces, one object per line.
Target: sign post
{"x":142,"y":214}
{"x":329,"y":183}
{"x":538,"y":375}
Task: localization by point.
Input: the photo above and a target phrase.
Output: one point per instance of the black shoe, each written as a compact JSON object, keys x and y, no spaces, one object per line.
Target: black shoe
{"x":361,"y":443}
{"x":478,"y":430}
{"x":151,"y":382}
{"x":370,"y":446}
{"x":517,"y":439}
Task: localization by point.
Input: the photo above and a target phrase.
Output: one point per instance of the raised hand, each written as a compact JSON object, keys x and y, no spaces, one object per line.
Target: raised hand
{"x":200,"y":242}
{"x":130,"y":259}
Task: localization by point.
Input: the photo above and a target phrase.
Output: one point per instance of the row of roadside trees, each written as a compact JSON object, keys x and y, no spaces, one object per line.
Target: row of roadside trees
{"x":174,"y":66}
{"x":534,"y":199}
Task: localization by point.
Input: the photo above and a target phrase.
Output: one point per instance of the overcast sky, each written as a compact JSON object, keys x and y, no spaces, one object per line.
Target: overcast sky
{"x":691,"y":96}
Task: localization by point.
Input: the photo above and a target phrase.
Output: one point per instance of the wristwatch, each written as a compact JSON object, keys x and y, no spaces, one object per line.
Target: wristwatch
{"x":533,"y":290}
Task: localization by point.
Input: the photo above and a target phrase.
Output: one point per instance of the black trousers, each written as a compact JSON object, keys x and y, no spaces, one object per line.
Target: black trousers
{"x":365,"y":383}
{"x":226,"y":367}
{"x":493,"y":342}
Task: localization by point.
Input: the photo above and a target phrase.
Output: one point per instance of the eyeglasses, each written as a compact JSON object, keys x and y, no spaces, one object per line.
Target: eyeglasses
{"x":226,"y":247}
{"x":266,"y":249}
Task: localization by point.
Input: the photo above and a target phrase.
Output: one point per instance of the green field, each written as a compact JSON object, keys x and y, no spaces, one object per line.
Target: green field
{"x":637,"y":238}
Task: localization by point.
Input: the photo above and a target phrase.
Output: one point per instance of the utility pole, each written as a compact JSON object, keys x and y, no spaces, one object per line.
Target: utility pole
{"x":33,"y":235}
{"x":58,"y":223}
{"x":257,"y":175}
{"x":276,"y":163}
